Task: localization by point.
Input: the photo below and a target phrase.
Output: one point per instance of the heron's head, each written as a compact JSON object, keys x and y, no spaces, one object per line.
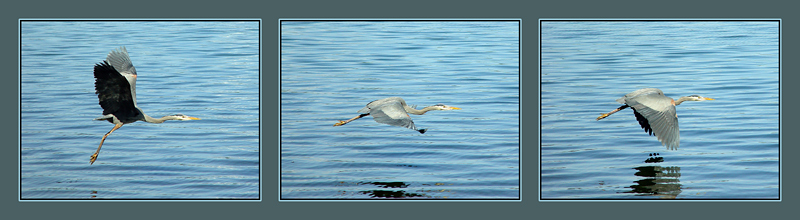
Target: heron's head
{"x":697,"y":98}
{"x":444,"y":107}
{"x":182,"y":117}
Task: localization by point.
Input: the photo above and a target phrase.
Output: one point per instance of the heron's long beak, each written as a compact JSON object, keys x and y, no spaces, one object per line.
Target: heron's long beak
{"x":707,"y":98}
{"x":193,"y":118}
{"x":454,"y":108}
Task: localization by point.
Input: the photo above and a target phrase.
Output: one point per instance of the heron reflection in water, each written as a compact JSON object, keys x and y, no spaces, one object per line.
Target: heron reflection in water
{"x":656,"y":113}
{"x":394,"y":111}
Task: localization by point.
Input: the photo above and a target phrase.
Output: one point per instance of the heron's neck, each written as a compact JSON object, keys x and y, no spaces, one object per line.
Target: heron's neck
{"x":680,"y":100}
{"x":147,"y":118}
{"x":418,"y":112}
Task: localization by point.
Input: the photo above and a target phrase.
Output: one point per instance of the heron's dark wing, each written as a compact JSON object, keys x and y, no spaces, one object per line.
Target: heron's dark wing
{"x":392,"y":113}
{"x":656,"y":114}
{"x":114,"y":92}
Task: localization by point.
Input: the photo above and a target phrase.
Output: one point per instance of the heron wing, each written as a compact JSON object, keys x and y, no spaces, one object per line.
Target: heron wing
{"x":391,"y":112}
{"x":114,"y":92}
{"x":379,"y":102}
{"x":656,"y":114}
{"x":640,"y":92}
{"x":120,"y":60}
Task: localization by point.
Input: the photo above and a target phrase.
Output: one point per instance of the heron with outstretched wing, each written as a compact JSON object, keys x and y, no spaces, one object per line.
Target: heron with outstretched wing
{"x":394,"y":111}
{"x":115,"y":86}
{"x":655,"y":113}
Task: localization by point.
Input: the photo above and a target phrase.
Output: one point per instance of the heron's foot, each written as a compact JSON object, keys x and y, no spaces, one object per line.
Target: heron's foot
{"x":340,"y":123}
{"x":422,"y":131}
{"x":602,"y":116}
{"x":94,"y":157}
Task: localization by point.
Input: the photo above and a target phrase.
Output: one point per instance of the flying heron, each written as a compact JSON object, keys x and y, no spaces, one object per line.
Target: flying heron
{"x":656,"y":113}
{"x":394,"y":111}
{"x":115,"y":87}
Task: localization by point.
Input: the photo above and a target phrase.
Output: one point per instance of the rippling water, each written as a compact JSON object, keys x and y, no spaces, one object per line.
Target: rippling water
{"x":203,"y":69}
{"x":330,"y":70}
{"x":729,"y":147}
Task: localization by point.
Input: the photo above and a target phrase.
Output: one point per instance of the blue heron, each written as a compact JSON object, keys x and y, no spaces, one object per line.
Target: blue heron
{"x":656,"y":113}
{"x":115,"y":86}
{"x":394,"y":111}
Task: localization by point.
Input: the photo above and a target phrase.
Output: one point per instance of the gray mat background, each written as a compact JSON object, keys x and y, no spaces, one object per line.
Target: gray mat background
{"x":271,"y":11}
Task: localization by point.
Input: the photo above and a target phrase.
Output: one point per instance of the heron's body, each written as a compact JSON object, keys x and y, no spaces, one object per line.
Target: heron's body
{"x":394,"y":111}
{"x":656,"y":113}
{"x":115,"y":85}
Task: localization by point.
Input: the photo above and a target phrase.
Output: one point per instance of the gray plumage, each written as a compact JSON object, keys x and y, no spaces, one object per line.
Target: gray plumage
{"x":656,"y":113}
{"x":394,"y":111}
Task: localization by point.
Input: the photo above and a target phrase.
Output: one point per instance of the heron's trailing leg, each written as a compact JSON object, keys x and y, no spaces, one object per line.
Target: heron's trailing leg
{"x":604,"y":115}
{"x":94,"y":156}
{"x":340,"y":123}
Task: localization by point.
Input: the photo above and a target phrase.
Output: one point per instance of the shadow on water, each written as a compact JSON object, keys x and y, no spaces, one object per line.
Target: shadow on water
{"x":658,"y":181}
{"x":391,"y":194}
{"x":395,"y":190}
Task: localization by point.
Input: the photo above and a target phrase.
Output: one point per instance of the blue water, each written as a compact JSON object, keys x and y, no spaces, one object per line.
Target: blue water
{"x":330,"y":70}
{"x":208,"y":70}
{"x":729,"y":147}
